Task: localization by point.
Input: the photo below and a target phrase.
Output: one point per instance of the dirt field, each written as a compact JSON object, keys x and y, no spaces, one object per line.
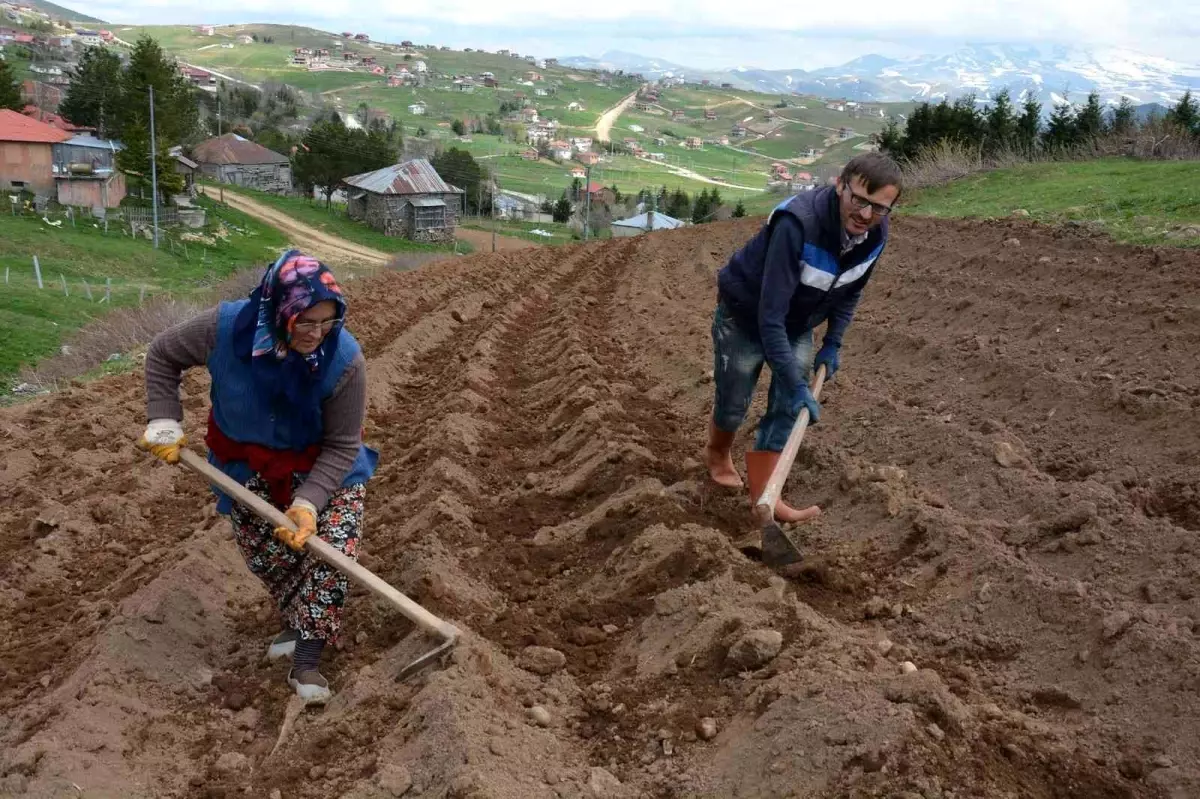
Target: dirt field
{"x":1008,"y":464}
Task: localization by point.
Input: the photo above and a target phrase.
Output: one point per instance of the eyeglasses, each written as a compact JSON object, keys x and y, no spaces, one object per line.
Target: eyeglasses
{"x":304,"y":328}
{"x":860,"y":202}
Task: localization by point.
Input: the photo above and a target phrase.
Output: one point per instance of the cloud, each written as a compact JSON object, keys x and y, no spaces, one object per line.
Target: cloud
{"x":716,"y":32}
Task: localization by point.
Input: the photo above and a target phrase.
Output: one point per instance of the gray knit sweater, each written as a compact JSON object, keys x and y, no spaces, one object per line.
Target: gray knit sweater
{"x":190,"y":343}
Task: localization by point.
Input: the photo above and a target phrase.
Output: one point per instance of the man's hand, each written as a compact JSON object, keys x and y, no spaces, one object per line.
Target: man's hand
{"x":828,"y":355}
{"x":163,"y":439}
{"x":803,"y":398}
{"x":304,"y":515}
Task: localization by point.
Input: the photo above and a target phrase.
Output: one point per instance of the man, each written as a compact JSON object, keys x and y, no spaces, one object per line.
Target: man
{"x":807,"y":265}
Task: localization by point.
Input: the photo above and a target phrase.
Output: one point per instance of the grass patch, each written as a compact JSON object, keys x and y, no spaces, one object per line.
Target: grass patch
{"x":35,"y":322}
{"x":1124,"y":197}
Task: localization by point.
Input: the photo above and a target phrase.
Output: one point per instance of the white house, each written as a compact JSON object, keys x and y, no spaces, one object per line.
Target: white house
{"x":576,"y":106}
{"x":637,"y":128}
{"x":420,"y":67}
{"x":417,"y":108}
{"x":643,"y":223}
{"x":582,"y":145}
{"x":245,"y":39}
{"x":88,"y":38}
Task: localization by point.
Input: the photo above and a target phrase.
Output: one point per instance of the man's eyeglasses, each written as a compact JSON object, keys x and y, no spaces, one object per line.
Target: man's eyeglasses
{"x":304,"y":328}
{"x":859,"y":202}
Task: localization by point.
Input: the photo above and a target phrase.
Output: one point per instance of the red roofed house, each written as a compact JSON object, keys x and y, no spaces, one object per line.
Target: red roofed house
{"x":54,"y":120}
{"x":408,"y":199}
{"x":601,"y":194}
{"x":233,"y":159}
{"x":27,"y":153}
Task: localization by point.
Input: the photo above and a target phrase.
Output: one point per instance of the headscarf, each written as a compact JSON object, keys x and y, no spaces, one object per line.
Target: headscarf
{"x":263,"y":332}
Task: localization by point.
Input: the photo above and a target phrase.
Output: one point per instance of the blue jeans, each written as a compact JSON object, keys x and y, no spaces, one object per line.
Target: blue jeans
{"x":738,"y":360}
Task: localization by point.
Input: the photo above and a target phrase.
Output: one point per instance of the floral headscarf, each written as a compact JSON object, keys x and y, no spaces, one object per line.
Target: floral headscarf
{"x":263,"y":329}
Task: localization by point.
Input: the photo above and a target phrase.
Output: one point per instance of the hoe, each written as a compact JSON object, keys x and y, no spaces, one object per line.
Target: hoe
{"x":445,"y":632}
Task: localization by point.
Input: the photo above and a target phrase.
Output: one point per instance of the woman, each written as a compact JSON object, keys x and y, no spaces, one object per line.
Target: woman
{"x":288,"y":400}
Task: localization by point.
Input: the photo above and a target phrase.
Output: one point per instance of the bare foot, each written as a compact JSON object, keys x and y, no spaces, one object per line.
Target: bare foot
{"x":789,"y":515}
{"x":720,"y":468}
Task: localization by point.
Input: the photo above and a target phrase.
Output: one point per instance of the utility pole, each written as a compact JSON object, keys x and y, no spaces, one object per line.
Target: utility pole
{"x":493,"y":214}
{"x":218,"y":112}
{"x":153,"y":168}
{"x":587,"y":202}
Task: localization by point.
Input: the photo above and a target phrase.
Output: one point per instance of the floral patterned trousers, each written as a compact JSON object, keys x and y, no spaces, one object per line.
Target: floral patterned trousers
{"x":308,"y":592}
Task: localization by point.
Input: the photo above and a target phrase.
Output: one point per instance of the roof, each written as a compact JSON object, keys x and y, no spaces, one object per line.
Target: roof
{"x":93,"y":143}
{"x":233,"y":149}
{"x":20,"y":128}
{"x":189,"y":163}
{"x":661,"y":222}
{"x":416,"y":176}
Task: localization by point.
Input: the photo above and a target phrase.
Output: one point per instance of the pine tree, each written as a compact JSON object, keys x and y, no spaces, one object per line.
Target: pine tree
{"x":1186,"y":114}
{"x":1060,"y":132}
{"x":1089,"y":122}
{"x":701,"y":208}
{"x":1029,"y":124}
{"x":739,"y":210}
{"x":891,"y":140}
{"x":10,"y":90}
{"x":176,"y":112}
{"x":94,"y":97}
{"x":1124,"y":118}
{"x":1001,"y":123}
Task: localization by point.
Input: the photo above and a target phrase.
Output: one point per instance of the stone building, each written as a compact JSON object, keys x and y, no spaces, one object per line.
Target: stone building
{"x":409,"y":200}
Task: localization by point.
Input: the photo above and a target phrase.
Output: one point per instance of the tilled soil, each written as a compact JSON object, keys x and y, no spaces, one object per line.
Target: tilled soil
{"x":1007,"y":462}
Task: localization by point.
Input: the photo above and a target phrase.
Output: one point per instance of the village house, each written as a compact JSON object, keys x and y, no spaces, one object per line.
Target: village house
{"x":739,"y":131}
{"x":395,"y":81}
{"x":42,"y":95}
{"x":661,"y":141}
{"x":408,"y":200}
{"x":551,"y":62}
{"x":44,"y":69}
{"x":465,"y":85}
{"x":417,"y":109}
{"x":420,"y":67}
{"x":575,"y":106}
{"x":361,"y":37}
{"x":530,"y":154}
{"x":644,"y":223}
{"x":86,"y":174}
{"x":245,"y":38}
{"x":710,"y":114}
{"x":656,"y":156}
{"x":88,"y":38}
{"x":540,"y":92}
{"x":54,"y":120}
{"x":723,"y":140}
{"x":504,"y":52}
{"x":560,"y":149}
{"x":206,"y":30}
{"x":678,"y":113}
{"x":491,"y":83}
{"x":516,"y":205}
{"x":643,"y":106}
{"x":533,"y":76}
{"x":107,"y":36}
{"x":367,"y":60}
{"x":587,"y":159}
{"x":726,"y":85}
{"x":693,"y":143}
{"x":581,"y":143}
{"x":529,"y":114}
{"x":241,"y":162}
{"x":601,"y":194}
{"x":27,"y":153}
{"x":199,"y":77}
{"x":579,"y":173}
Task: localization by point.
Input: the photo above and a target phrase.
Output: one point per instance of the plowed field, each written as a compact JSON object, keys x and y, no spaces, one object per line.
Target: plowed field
{"x":1009,"y":465}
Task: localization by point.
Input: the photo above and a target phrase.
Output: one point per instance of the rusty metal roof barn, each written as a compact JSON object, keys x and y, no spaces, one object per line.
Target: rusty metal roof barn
{"x":416,"y":176}
{"x":233,"y":149}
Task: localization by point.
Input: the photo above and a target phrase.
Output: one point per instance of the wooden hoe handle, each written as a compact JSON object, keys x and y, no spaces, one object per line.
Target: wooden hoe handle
{"x":765,"y":507}
{"x":359,"y":574}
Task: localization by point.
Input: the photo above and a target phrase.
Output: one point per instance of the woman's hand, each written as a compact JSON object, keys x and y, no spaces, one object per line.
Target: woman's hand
{"x":163,"y":439}
{"x":303,"y":514}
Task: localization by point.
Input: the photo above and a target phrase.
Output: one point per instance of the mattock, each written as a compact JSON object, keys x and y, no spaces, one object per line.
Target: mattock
{"x":447,"y":633}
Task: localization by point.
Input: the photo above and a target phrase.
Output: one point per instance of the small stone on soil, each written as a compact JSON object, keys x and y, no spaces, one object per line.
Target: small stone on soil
{"x":540,"y":716}
{"x":755,"y":649}
{"x":706,"y":728}
{"x":232,"y":763}
{"x":276,"y":794}
{"x":908,"y":667}
{"x":935,"y":732}
{"x":603,"y":785}
{"x":542,"y":660}
{"x":1116,"y":623}
{"x":884,"y":646}
{"x":394,"y":779}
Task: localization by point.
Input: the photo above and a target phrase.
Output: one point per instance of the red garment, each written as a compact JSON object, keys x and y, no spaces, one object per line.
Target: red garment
{"x":275,"y":465}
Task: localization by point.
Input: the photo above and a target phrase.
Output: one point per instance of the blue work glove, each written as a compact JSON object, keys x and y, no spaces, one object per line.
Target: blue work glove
{"x":802,"y":397}
{"x":828,"y":355}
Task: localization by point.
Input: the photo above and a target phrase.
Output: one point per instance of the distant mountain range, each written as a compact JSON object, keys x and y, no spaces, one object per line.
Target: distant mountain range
{"x":1051,"y":73}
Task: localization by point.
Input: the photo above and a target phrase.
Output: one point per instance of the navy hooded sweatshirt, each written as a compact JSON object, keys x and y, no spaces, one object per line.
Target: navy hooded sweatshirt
{"x":793,"y":275}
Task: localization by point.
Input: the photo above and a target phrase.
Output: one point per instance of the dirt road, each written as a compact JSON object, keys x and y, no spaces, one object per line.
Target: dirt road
{"x":333,"y":250}
{"x":609,"y":118}
{"x":1007,"y":463}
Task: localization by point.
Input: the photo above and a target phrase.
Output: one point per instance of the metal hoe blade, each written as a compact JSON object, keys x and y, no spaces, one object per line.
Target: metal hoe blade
{"x":426,"y":659}
{"x":777,"y":549}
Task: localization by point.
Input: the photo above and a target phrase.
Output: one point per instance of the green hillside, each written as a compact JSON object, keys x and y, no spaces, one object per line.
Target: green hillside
{"x":60,"y":12}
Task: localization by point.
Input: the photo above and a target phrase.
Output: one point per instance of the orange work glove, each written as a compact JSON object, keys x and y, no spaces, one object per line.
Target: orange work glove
{"x":303,"y":514}
{"x":163,"y":439}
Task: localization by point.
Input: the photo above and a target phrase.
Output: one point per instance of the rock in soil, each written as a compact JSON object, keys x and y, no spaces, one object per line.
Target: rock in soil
{"x":232,"y":763}
{"x":755,"y":649}
{"x":706,"y":728}
{"x":541,"y":660}
{"x":603,"y":785}
{"x":394,"y":779}
{"x":540,"y":716}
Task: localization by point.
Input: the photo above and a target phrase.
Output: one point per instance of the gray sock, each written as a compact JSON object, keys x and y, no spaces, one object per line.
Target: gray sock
{"x":308,"y":654}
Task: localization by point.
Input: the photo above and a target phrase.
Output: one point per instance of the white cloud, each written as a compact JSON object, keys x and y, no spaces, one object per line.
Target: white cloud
{"x":717,"y":32}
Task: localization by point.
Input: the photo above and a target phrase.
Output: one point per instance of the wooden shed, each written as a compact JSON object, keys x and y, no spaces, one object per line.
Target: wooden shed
{"x":408,"y":199}
{"x":241,"y":162}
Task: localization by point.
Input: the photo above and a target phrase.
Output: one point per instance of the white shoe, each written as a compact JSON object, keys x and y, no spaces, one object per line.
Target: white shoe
{"x":282,"y":645}
{"x":310,"y":686}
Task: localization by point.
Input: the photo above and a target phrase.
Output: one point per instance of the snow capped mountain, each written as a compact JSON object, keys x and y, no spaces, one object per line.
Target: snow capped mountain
{"x":1049,"y":73}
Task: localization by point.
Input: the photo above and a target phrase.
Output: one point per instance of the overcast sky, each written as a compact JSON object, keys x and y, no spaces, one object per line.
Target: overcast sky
{"x":712,"y":33}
